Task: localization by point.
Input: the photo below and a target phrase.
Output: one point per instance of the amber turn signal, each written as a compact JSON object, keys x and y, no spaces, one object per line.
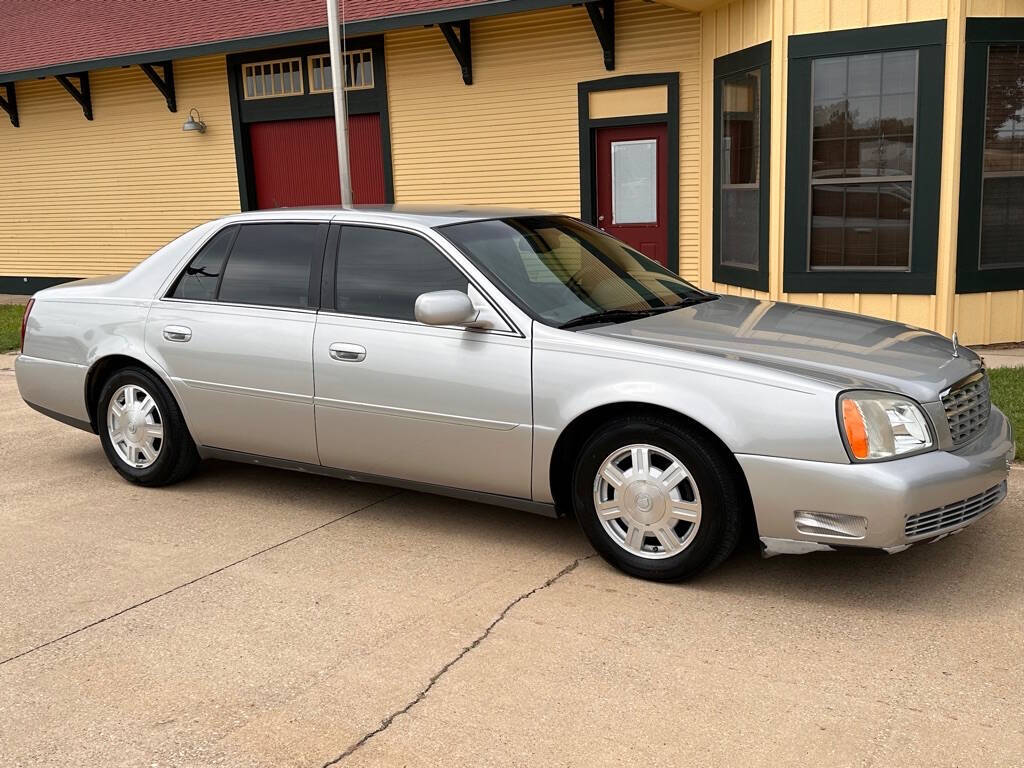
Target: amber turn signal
{"x":856,"y":432}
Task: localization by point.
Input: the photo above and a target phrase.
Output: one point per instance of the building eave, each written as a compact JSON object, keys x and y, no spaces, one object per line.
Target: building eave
{"x":292,"y":37}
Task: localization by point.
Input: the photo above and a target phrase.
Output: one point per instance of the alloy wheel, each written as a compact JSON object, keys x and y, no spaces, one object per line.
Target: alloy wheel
{"x":135,"y":426}
{"x":647,"y":501}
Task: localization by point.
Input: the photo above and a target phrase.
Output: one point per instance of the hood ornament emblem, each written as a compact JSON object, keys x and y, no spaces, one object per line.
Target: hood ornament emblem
{"x":956,"y":345}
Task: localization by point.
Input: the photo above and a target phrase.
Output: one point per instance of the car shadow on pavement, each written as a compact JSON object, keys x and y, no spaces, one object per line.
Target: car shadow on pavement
{"x":970,"y":569}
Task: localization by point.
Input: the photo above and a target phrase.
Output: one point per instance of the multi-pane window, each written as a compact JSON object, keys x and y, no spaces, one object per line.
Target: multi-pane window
{"x":863,"y":114}
{"x":268,"y":79}
{"x":742,"y":127}
{"x":358,"y":71}
{"x":740,"y":169}
{"x":1002,"y":202}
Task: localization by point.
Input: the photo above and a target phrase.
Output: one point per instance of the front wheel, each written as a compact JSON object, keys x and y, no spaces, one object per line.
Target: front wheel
{"x":142,"y":430}
{"x":655,"y":500}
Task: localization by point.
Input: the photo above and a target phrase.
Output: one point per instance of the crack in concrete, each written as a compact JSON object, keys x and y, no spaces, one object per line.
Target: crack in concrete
{"x":387,"y":721}
{"x":196,"y":579}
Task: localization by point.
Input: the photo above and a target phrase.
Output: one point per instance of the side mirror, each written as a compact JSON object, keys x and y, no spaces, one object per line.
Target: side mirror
{"x":445,"y":308}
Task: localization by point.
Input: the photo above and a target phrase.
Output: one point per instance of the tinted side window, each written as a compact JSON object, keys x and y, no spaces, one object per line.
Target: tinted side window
{"x":199,"y":280}
{"x":381,"y":272}
{"x":270,"y":264}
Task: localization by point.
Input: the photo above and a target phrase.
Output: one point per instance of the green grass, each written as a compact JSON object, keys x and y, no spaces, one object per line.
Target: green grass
{"x":1008,"y":396}
{"x":10,"y":326}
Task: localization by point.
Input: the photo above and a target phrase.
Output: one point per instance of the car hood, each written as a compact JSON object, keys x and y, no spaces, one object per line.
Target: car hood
{"x":846,"y":350}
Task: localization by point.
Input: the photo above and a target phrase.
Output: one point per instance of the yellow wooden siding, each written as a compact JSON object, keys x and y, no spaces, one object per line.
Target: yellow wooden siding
{"x":995,"y":8}
{"x":512,"y":138}
{"x":81,"y":198}
{"x":626,"y":102}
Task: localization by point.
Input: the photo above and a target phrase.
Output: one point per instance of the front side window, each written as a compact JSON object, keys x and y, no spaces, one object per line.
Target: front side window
{"x":863,"y":159}
{"x":270,"y":265}
{"x":560,"y":270}
{"x":741,"y":168}
{"x":381,"y":272}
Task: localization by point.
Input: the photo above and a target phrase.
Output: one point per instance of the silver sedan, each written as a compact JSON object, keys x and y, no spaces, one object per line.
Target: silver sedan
{"x":528,"y":360}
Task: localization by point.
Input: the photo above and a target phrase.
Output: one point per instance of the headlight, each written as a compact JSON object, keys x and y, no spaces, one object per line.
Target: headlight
{"x":878,"y":426}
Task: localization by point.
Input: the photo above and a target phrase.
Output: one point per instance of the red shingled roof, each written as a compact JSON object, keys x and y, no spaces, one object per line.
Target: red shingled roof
{"x":36,"y":34}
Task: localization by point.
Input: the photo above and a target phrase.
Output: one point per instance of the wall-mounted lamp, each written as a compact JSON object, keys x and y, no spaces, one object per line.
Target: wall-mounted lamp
{"x":194,"y":123}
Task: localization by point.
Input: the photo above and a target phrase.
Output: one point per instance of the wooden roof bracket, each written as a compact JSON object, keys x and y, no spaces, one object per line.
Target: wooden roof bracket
{"x":79,"y":93}
{"x":164,"y":84}
{"x":602,"y":16}
{"x":9,"y":103}
{"x":461,"y":46}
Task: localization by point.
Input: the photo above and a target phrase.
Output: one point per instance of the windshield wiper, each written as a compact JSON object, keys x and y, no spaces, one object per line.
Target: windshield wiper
{"x":623,"y":315}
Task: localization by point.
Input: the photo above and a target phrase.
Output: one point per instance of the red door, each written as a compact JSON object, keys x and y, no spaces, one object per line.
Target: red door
{"x":295,"y":162}
{"x":632,"y":186}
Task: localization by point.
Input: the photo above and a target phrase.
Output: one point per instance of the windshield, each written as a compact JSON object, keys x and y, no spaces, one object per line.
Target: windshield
{"x":560,"y":270}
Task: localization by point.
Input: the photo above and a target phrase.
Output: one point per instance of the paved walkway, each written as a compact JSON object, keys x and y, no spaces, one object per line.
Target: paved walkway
{"x":13,"y":298}
{"x":1002,"y":356}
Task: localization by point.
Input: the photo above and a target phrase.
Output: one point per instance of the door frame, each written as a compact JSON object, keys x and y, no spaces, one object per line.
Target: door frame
{"x":588,"y":130}
{"x":360,"y":102}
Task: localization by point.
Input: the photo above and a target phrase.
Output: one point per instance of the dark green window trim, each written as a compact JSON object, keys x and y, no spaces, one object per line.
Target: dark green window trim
{"x":970,"y":278}
{"x":929,"y":38}
{"x":758,"y":56}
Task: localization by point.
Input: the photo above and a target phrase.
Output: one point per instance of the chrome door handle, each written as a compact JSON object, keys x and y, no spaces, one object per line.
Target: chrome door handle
{"x":177,"y":333}
{"x":348,"y":353}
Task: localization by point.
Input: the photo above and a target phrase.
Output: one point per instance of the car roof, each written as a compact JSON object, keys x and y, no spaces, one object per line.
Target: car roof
{"x":423,"y":215}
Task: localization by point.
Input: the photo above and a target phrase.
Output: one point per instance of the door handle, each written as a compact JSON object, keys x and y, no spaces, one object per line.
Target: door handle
{"x":348,"y":353}
{"x":177,"y":333}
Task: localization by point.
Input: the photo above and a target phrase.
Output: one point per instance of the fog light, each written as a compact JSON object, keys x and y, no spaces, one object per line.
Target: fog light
{"x":831,"y":524}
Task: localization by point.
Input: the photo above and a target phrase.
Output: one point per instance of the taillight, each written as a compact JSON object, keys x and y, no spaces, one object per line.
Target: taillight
{"x":24,"y":321}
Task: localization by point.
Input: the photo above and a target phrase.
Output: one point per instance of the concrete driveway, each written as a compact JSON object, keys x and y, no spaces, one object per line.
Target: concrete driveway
{"x":262,"y":618}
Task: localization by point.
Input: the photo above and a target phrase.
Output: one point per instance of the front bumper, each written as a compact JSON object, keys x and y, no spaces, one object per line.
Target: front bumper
{"x":886,"y":493}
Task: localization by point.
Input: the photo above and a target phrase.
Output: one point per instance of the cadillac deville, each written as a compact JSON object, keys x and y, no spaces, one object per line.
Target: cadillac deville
{"x":527,"y":360}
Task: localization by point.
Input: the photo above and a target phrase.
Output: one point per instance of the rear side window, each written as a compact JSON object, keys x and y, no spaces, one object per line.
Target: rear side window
{"x":381,"y":272}
{"x":199,"y":280}
{"x":270,"y":265}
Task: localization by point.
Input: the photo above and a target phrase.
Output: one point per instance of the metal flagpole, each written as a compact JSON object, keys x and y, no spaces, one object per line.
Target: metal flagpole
{"x":338,"y":65}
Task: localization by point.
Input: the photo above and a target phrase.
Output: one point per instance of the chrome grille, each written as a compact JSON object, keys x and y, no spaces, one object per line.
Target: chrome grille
{"x":952,"y":515}
{"x":967,"y":408}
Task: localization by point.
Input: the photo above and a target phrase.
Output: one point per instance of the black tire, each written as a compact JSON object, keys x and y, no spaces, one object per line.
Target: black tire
{"x":177,"y":457}
{"x":713,"y":475}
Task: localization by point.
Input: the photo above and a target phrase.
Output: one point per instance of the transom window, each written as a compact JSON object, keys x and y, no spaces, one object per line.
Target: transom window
{"x":862,"y":160}
{"x":358,"y":71}
{"x":269,"y":79}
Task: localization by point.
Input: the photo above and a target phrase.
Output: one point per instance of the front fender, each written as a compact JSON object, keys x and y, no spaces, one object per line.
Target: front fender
{"x":751,"y":412}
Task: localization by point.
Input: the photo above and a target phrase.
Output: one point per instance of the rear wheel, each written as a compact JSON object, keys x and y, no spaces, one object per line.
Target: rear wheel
{"x":655,"y":500}
{"x":142,"y":429}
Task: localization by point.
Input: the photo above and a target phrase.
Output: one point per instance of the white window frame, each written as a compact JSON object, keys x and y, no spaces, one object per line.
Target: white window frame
{"x":352,"y":60}
{"x":264,"y":71}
